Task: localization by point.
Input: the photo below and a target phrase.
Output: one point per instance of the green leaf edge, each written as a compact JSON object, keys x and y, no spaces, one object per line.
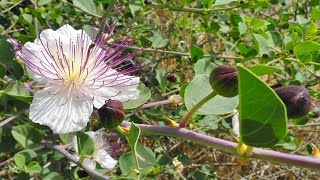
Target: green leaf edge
{"x":283,"y":105}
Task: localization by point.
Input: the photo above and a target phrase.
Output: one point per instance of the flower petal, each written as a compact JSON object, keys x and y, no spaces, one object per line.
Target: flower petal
{"x":47,"y":57}
{"x":121,"y":90}
{"x":90,"y":163}
{"x":61,"y":115}
{"x":30,"y":53}
{"x":104,"y":159}
{"x":69,"y":31}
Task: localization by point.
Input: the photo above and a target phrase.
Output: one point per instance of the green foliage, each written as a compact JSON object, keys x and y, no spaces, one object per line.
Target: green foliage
{"x":43,"y":2}
{"x":7,"y":64}
{"x":199,"y":88}
{"x":261,"y":44}
{"x":21,"y":160}
{"x":162,"y":79}
{"x":146,"y":161}
{"x":87,"y":6}
{"x":263,"y":119}
{"x":140,"y":160}
{"x":203,"y":66}
{"x":26,"y":135}
{"x":221,"y":2}
{"x":6,"y":140}
{"x":158,"y":40}
{"x":306,"y":47}
{"x":18,"y":91}
{"x":144,"y":95}
{"x":196,"y":53}
{"x":263,"y":69}
{"x":134,"y":6}
{"x":6,"y":55}
{"x":133,"y":137}
{"x":85,"y":145}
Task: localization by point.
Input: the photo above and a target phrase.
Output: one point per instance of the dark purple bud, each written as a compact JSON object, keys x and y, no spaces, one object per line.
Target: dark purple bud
{"x":111,"y":114}
{"x":224,"y":80}
{"x":296,"y":99}
{"x":171,"y":78}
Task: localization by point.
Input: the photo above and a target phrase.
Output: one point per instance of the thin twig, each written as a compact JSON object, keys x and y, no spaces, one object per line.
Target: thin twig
{"x":305,"y":125}
{"x":181,"y":53}
{"x":158,"y":103}
{"x":75,"y":160}
{"x":16,"y":4}
{"x":170,"y":92}
{"x":191,"y":10}
{"x":11,"y":159}
{"x":5,"y":121}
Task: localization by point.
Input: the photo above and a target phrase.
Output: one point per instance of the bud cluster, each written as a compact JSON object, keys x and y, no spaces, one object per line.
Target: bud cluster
{"x":224,"y":81}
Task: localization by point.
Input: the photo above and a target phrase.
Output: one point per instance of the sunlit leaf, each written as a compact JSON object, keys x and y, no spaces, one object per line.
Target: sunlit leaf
{"x":144,"y":95}
{"x":260,"y":69}
{"x":306,"y":47}
{"x":85,"y":144}
{"x":26,"y":135}
{"x":199,"y":88}
{"x":263,"y":119}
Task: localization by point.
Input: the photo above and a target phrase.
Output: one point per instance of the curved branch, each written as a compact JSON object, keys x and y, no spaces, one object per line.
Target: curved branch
{"x":9,"y":119}
{"x":230,"y":147}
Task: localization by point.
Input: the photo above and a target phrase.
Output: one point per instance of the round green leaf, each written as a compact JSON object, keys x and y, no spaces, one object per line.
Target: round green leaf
{"x":306,"y":47}
{"x":28,"y":154}
{"x":27,"y":135}
{"x":261,"y":44}
{"x":222,"y":2}
{"x":203,"y":66}
{"x":196,"y":53}
{"x":19,"y":160}
{"x":127,"y":164}
{"x":145,"y":157}
{"x":199,"y":88}
{"x":260,"y":70}
{"x":263,"y":119}
{"x":43,"y":2}
{"x":144,"y":95}
{"x":86,"y":6}
{"x":33,"y":167}
{"x":158,"y":40}
{"x":18,"y":91}
{"x":162,"y":79}
{"x":85,"y":144}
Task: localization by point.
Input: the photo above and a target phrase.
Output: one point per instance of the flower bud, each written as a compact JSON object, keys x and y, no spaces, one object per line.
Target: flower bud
{"x":224,"y":80}
{"x":111,"y":114}
{"x":296,"y":99}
